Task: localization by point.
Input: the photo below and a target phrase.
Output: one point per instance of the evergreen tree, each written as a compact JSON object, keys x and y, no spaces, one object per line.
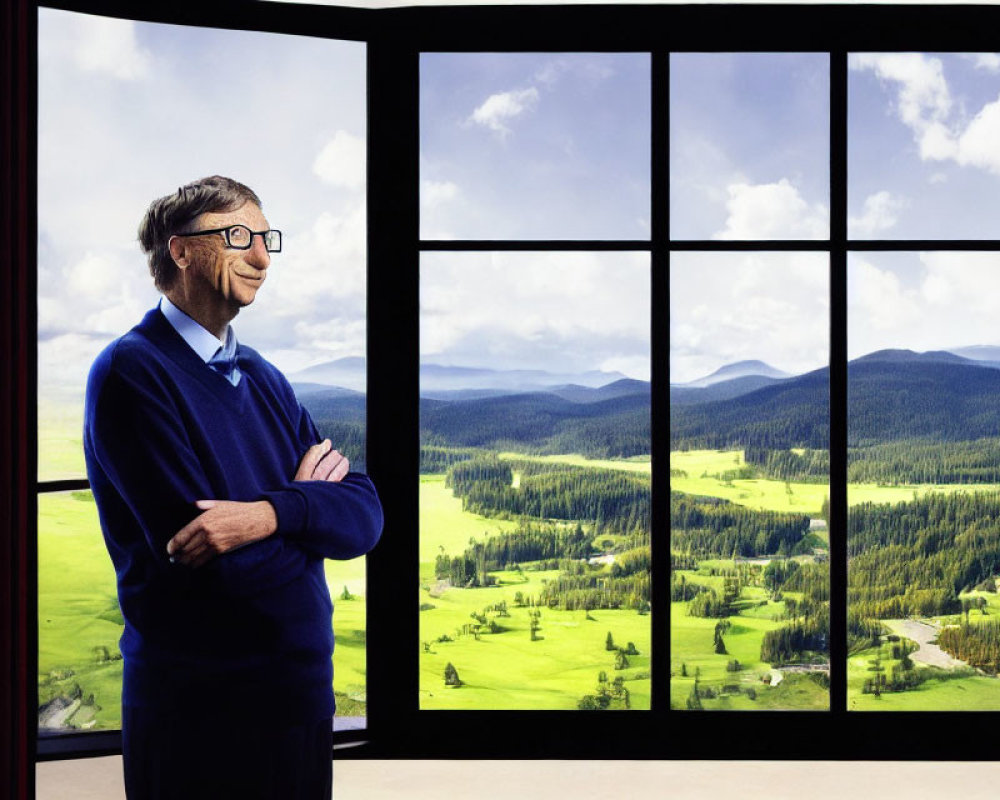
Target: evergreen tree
{"x":451,"y":675}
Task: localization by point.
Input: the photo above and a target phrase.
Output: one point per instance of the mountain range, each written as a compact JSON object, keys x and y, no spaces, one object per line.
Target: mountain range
{"x":892,"y":394}
{"x":438,"y":380}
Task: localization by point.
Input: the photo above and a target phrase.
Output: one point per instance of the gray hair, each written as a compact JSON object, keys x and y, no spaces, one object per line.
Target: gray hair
{"x":175,"y":212}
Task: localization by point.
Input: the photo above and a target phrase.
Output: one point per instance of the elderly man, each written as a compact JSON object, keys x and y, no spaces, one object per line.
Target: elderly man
{"x":218,"y":503}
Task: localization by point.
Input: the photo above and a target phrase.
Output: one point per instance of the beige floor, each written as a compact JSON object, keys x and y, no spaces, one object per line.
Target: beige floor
{"x":99,"y":779}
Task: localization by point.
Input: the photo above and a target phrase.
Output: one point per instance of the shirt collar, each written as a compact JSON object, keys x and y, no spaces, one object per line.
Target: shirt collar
{"x":204,"y":343}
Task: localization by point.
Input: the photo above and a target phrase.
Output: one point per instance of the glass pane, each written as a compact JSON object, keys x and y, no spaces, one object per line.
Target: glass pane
{"x":749,"y":145}
{"x":749,"y":479}
{"x":534,"y":492}
{"x":924,"y":158}
{"x":534,"y":146}
{"x":79,"y":622}
{"x":125,"y":117}
{"x":924,"y":481}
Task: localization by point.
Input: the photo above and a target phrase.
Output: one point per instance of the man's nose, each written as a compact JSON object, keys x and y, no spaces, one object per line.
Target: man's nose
{"x":258,"y":255}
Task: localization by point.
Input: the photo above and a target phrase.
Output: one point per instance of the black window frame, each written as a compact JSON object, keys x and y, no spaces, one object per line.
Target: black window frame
{"x":395,"y":38}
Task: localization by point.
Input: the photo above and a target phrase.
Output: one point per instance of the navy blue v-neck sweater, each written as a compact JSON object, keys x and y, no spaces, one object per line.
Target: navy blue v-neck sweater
{"x":248,"y":634}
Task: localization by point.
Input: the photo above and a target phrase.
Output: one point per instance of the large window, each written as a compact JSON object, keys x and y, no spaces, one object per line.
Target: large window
{"x":123,"y":119}
{"x":736,"y":262}
{"x":534,"y":383}
{"x":749,"y":382}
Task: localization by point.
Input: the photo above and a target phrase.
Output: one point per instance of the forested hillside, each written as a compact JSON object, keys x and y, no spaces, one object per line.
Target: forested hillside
{"x":889,"y":399}
{"x":917,"y":557}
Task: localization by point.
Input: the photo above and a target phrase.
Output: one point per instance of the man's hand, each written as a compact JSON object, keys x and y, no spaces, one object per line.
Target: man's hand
{"x":321,"y":463}
{"x":223,"y":525}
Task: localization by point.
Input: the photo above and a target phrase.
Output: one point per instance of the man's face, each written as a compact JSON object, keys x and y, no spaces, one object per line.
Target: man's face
{"x":230,"y":275}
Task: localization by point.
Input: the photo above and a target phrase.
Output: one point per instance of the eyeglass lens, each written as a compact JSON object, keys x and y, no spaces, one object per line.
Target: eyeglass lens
{"x":240,"y":236}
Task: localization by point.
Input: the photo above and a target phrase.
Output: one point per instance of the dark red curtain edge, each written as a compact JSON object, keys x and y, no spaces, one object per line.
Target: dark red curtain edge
{"x":16,"y":409}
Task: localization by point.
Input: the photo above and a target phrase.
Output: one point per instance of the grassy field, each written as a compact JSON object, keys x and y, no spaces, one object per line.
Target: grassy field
{"x":702,"y":468}
{"x":79,"y":623}
{"x":691,"y":647}
{"x":77,"y":609}
{"x":691,"y":638}
{"x":445,"y":526}
{"x":508,"y":670}
{"x":963,"y":693}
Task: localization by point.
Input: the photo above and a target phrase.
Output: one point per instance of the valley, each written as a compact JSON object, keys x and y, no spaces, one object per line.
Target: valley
{"x":535,"y":546}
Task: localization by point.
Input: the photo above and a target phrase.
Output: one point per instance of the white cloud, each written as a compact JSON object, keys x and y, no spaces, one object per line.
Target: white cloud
{"x":436,"y":193}
{"x":985,"y":61}
{"x":553,"y":311}
{"x":100,"y":294}
{"x":321,"y":275}
{"x":926,"y":301}
{"x":923,"y":92}
{"x":342,"y":161}
{"x":979,"y":144}
{"x":728,"y":307}
{"x":64,"y":362}
{"x":771,"y":211}
{"x":93,"y":44}
{"x":881,"y":212}
{"x":924,"y":105}
{"x":550,"y":72}
{"x":499,"y":108}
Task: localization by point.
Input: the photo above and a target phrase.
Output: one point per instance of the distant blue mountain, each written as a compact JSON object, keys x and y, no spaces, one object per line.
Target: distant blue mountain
{"x":978,"y":352}
{"x":437,"y":380}
{"x":738,"y":369}
{"x":911,"y":357}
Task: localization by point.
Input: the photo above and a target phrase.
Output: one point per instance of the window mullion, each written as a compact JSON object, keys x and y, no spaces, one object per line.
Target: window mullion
{"x":838,"y":381}
{"x":659,"y":300}
{"x":393,"y":334}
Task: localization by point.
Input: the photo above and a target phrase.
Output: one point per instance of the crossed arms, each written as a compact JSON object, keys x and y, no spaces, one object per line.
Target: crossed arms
{"x":225,"y":525}
{"x":150,"y":489}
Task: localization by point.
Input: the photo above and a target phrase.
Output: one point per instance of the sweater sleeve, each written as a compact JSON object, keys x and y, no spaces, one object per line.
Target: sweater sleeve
{"x":135,"y":436}
{"x":338,"y":520}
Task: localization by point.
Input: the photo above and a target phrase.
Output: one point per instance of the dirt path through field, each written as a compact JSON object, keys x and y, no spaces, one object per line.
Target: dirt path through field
{"x":922,"y":633}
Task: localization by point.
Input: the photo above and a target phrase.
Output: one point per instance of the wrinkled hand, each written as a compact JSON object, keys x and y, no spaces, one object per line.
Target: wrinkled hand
{"x":322,"y":463}
{"x":223,"y":525}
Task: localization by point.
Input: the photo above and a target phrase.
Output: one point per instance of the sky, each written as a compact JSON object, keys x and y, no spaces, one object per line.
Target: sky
{"x":749,"y":145}
{"x":129,"y":111}
{"x":748,"y":152}
{"x":560,"y":312}
{"x":728,"y":307}
{"x":528,"y":145}
{"x":924,"y":145}
{"x":534,"y":146}
{"x":922,"y":301}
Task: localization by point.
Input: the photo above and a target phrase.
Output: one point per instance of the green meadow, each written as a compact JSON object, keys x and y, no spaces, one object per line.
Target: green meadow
{"x":444,"y":526}
{"x":702,"y":470}
{"x":79,"y":622}
{"x":692,"y":653}
{"x":507,"y":669}
{"x":951,"y":690}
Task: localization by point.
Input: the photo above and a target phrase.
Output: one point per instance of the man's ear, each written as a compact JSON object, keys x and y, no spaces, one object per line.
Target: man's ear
{"x":178,"y":247}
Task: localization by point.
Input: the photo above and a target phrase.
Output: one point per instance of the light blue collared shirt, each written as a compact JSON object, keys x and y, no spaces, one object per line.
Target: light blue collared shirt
{"x":199,"y":339}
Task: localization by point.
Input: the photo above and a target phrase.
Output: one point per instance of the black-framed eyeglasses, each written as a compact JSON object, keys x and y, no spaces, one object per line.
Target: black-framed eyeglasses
{"x":240,"y":237}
